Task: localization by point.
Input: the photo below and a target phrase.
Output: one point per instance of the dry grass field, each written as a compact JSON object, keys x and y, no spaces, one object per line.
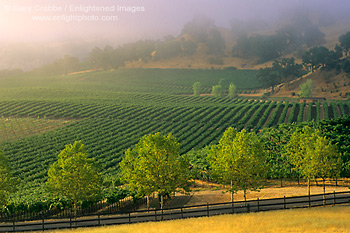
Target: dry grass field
{"x":322,"y":219}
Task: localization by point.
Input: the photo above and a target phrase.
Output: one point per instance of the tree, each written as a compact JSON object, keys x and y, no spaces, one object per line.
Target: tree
{"x":198,"y":28}
{"x":239,"y":161}
{"x":313,"y":36}
{"x":200,"y":168}
{"x":7,"y":181}
{"x":345,"y":42}
{"x":268,"y":77}
{"x":306,"y":89}
{"x":313,"y":155}
{"x":75,"y":176}
{"x":274,"y":139}
{"x":317,"y":57}
{"x":197,"y":89}
{"x":287,"y":69}
{"x":168,"y":49}
{"x":346,"y":66}
{"x":215,"y":42}
{"x":188,"y":47}
{"x":217,"y":91}
{"x":232,"y":90}
{"x":155,"y":165}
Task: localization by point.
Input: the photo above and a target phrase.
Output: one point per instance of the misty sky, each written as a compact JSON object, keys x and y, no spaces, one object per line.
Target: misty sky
{"x":156,"y":18}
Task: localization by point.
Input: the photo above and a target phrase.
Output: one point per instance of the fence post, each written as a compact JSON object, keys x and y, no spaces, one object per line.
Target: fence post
{"x":207,"y":209}
{"x":309,"y":200}
{"x":258,"y":205}
{"x":284,"y":200}
{"x":43,"y":224}
{"x":334,"y":198}
{"x":155,"y":214}
{"x":129,"y":217}
{"x":182,"y":213}
{"x":14,"y":225}
{"x":70,"y":221}
{"x":99,"y":219}
{"x":233,"y":207}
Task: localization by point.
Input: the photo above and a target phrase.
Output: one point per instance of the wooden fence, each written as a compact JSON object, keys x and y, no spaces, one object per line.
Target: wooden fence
{"x":179,"y":213}
{"x":124,"y":205}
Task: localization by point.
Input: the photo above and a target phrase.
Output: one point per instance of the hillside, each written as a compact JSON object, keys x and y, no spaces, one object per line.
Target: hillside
{"x":200,"y":59}
{"x":325,"y":84}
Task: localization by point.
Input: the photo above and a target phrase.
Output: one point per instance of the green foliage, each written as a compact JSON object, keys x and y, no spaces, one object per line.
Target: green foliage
{"x":288,"y":69}
{"x":345,"y":42}
{"x":215,"y":42}
{"x":200,"y":168}
{"x":197,"y":89}
{"x":286,"y":40}
{"x":306,"y":89}
{"x":110,"y":111}
{"x":264,"y":47}
{"x":167,"y":49}
{"x":188,"y":47}
{"x":321,"y":57}
{"x":74,"y":176}
{"x":313,"y":155}
{"x":239,"y":160}
{"x":346,"y":66}
{"x":232,"y":90}
{"x":217,"y":91}
{"x":268,"y":77}
{"x":7,"y":182}
{"x":274,"y":140}
{"x":155,"y":165}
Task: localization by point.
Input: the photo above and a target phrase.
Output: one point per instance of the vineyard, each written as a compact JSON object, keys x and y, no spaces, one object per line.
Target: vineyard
{"x":111,"y":111}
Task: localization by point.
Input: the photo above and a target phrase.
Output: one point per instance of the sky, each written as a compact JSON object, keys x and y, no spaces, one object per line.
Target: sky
{"x":129,"y":20}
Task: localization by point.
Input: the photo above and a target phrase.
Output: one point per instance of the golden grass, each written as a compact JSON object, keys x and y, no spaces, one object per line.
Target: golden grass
{"x":323,"y":219}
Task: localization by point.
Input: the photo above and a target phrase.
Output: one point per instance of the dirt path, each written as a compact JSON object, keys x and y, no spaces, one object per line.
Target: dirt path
{"x":204,"y":193}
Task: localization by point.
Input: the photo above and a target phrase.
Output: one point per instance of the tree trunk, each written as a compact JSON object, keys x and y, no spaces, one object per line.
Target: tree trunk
{"x":308,"y":186}
{"x":147,"y":202}
{"x":245,"y":197}
{"x":231,"y":191}
{"x":324,"y":191}
{"x":75,"y":210}
{"x":161,"y":205}
{"x":161,"y":201}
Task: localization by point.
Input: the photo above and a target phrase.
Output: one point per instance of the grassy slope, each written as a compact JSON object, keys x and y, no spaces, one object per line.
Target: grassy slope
{"x":329,"y":219}
{"x":325,"y":84}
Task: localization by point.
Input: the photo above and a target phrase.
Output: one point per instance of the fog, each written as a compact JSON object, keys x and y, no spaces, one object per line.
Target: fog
{"x":57,"y":27}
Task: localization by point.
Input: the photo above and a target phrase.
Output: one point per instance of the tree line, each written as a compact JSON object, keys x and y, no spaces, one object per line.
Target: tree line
{"x":316,"y":58}
{"x":240,"y":161}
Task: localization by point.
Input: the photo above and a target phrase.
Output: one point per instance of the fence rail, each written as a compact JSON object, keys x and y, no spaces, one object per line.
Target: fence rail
{"x":179,"y":213}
